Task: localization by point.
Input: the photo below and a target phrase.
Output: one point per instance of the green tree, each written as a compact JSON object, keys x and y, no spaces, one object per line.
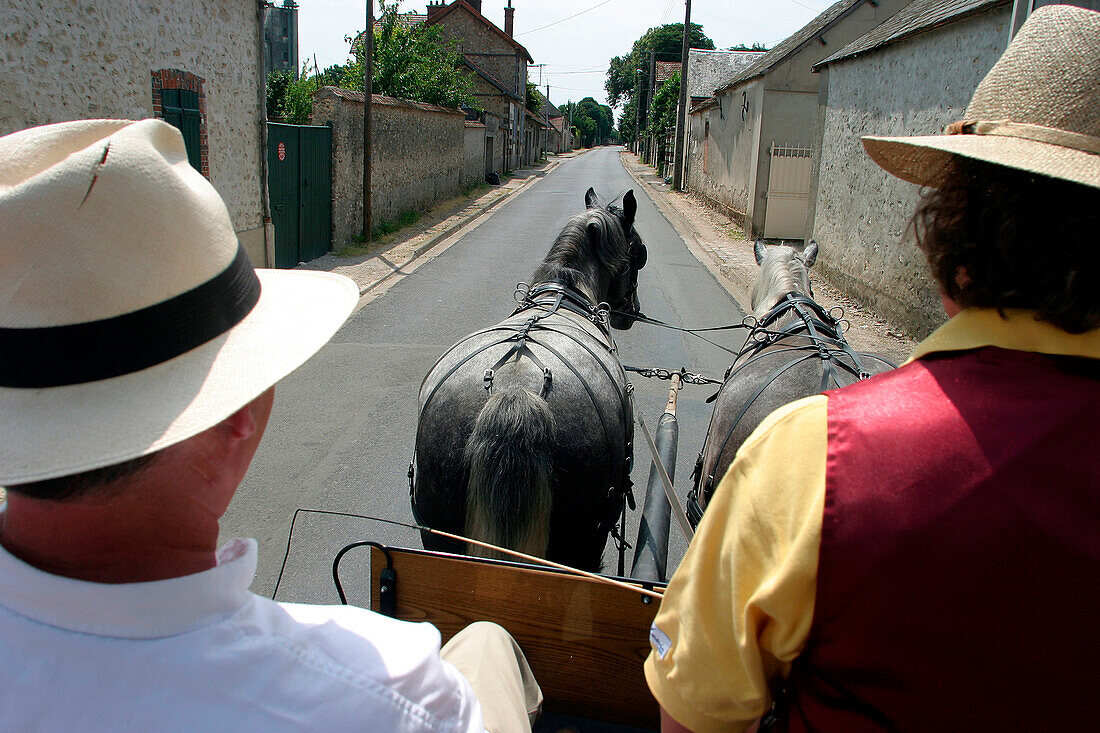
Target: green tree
{"x":277,"y":82}
{"x":410,"y":62}
{"x":666,"y":40}
{"x":594,"y":121}
{"x":628,"y":120}
{"x":534,"y":98}
{"x":662,"y":117}
{"x":290,"y":100}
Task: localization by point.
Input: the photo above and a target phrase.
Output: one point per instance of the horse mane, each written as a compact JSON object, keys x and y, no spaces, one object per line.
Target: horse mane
{"x":782,"y":271}
{"x":565,"y":261}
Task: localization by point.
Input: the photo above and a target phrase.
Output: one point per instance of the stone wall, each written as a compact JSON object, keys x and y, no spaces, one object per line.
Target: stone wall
{"x":861,"y":213}
{"x":77,"y":59}
{"x":418,"y":157}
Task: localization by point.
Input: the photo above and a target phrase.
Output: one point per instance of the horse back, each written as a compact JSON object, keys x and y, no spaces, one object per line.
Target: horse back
{"x":587,"y":395}
{"x":758,"y":385}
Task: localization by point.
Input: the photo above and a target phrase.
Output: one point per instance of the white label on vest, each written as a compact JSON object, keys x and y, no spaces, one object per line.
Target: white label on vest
{"x":659,"y":641}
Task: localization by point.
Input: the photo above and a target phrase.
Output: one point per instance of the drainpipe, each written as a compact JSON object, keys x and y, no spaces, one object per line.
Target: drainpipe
{"x":265,"y":198}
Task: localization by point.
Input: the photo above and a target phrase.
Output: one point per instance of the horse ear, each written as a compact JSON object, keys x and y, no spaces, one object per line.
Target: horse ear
{"x":590,"y":198}
{"x":809,"y":255}
{"x":758,"y":250}
{"x":630,"y":206}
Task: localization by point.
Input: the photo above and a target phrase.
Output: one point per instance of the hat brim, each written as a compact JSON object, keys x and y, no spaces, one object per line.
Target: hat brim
{"x":922,"y":159}
{"x":61,"y":431}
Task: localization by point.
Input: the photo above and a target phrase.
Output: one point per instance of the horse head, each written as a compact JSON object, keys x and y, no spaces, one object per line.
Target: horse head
{"x":621,"y":291}
{"x":783,"y":269}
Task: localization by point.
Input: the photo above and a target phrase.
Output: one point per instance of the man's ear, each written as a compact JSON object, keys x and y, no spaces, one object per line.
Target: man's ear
{"x":242,"y":423}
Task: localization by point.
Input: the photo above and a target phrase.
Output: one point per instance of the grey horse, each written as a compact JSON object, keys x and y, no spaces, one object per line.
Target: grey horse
{"x":796,"y":349}
{"x":525,"y":430}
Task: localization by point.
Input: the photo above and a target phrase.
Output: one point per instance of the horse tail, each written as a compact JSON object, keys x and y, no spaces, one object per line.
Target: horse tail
{"x":509,"y":459}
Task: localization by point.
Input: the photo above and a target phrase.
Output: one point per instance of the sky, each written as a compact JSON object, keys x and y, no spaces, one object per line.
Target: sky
{"x":574,"y":51}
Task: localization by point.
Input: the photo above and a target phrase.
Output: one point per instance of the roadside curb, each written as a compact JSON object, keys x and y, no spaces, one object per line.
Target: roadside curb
{"x":426,"y":246}
{"x":736,"y":280}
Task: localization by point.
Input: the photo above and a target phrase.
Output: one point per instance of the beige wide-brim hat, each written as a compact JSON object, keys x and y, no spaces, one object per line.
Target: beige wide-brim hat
{"x":130,"y":319}
{"x":1037,"y":110}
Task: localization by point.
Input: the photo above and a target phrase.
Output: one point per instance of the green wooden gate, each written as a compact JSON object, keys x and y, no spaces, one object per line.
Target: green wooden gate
{"x":299,"y":181}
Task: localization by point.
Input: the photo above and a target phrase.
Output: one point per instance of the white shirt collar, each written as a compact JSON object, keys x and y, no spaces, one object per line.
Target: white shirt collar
{"x":131,"y":610}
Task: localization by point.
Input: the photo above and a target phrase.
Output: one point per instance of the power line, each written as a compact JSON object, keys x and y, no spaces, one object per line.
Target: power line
{"x":574,"y":15}
{"x":803,"y":5}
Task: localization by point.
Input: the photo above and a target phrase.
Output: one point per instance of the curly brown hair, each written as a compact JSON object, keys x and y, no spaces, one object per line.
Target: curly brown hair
{"x":1001,"y":238}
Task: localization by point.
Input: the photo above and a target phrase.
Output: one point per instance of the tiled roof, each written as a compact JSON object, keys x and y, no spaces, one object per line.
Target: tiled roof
{"x":665,"y":70}
{"x":708,"y":70}
{"x":408,"y":20}
{"x":916,"y":17}
{"x":549,"y":110}
{"x":790,"y":45}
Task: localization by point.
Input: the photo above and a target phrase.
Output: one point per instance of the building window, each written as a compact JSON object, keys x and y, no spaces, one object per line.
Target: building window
{"x":179,"y":100}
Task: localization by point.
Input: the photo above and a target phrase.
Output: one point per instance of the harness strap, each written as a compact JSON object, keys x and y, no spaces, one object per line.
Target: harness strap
{"x":759,"y":391}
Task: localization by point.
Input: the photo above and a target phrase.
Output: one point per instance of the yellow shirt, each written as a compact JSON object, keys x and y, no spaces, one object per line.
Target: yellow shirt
{"x":739,"y":607}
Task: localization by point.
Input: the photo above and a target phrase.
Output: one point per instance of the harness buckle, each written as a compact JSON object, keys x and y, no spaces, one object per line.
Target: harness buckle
{"x":488,"y":380}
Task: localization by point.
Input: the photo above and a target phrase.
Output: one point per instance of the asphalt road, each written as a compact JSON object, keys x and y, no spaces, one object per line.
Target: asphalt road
{"x":341,"y":434}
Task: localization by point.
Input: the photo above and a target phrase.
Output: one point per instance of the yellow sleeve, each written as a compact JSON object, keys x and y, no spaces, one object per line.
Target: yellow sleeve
{"x":738,"y":609}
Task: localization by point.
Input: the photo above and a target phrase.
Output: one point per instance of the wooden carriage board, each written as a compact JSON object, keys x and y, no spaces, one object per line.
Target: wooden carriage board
{"x":585,"y":640}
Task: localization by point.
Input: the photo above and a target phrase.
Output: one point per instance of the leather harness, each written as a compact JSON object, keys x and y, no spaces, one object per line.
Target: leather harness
{"x":546,"y":299}
{"x":824,"y":340}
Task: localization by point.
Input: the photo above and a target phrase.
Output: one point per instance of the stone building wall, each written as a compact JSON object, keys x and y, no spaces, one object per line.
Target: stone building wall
{"x":488,"y":50}
{"x":77,"y":59}
{"x":861,"y":213}
{"x":723,"y":140}
{"x":418,"y":157}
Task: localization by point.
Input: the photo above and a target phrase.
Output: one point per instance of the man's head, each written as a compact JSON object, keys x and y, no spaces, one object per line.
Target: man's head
{"x":1012,"y":216}
{"x":130,"y":320}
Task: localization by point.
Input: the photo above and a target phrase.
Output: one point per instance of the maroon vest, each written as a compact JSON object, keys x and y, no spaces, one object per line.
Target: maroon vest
{"x":959,"y":580}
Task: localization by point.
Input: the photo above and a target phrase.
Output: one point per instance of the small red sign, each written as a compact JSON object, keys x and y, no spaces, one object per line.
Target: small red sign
{"x":282,"y":151}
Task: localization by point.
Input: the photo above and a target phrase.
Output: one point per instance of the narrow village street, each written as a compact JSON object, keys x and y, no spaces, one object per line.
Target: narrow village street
{"x":341,"y":435}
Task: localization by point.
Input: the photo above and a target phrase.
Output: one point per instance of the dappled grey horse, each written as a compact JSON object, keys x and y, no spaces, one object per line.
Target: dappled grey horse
{"x":525,"y":434}
{"x":796,"y":349}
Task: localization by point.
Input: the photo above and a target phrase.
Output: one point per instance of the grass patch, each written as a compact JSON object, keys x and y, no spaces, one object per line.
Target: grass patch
{"x":475,"y":189}
{"x":379,"y":234}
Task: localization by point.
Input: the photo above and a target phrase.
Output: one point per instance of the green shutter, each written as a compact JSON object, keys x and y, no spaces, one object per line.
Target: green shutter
{"x":181,"y":110}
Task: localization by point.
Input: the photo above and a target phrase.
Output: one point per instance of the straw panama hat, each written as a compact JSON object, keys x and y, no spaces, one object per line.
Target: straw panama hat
{"x":1037,"y":110}
{"x":130,"y":319}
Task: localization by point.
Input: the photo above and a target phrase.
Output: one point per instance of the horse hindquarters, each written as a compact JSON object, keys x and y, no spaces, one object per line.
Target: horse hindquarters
{"x":509,"y":457}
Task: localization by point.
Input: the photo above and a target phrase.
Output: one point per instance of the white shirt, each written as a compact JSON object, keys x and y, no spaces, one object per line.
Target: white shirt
{"x":201,"y":652}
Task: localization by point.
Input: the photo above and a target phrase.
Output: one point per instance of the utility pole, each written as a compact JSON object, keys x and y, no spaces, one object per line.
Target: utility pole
{"x":681,"y":110}
{"x":368,"y":91}
{"x":651,"y":91}
{"x":638,"y":112}
{"x":547,"y":122}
